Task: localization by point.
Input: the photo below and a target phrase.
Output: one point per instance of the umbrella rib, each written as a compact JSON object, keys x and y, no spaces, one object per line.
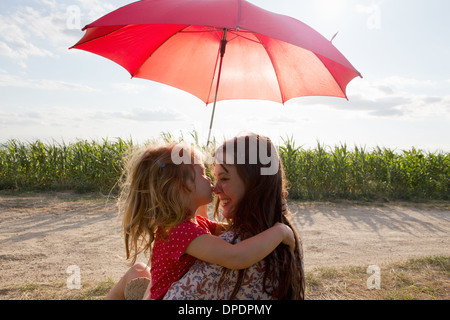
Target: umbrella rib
{"x":133,"y":74}
{"x":246,"y":38}
{"x":332,"y":75}
{"x":271,"y":60}
{"x":212,"y":78}
{"x":99,"y":37}
{"x":211,"y":30}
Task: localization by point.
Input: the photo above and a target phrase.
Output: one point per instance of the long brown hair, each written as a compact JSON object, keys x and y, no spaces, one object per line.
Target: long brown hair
{"x":260,"y":209}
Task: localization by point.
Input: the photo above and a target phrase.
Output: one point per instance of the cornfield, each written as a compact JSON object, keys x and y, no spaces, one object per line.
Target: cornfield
{"x":82,"y":166}
{"x":321,"y":173}
{"x":327,"y":173}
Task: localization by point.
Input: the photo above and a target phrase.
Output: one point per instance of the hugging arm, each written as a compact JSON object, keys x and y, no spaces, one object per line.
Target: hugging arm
{"x":243,"y":254}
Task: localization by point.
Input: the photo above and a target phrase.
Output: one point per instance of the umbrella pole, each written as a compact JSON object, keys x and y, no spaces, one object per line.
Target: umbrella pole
{"x":223,"y":45}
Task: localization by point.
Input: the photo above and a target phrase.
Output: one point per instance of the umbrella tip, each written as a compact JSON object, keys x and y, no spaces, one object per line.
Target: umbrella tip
{"x":334,"y":36}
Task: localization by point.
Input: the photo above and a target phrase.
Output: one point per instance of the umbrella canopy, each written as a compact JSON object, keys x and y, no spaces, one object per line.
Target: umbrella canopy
{"x":201,"y":45}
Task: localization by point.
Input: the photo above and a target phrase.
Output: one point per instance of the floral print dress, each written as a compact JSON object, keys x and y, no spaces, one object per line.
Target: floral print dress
{"x":201,"y":282}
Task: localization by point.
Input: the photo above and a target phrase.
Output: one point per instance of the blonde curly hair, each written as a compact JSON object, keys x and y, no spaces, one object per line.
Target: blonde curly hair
{"x":153,"y":193}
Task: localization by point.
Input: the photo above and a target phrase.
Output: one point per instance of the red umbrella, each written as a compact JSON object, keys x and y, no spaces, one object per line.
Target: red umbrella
{"x":199,"y":45}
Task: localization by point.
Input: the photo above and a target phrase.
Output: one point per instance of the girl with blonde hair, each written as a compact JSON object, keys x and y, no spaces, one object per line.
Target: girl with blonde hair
{"x":159,"y":203}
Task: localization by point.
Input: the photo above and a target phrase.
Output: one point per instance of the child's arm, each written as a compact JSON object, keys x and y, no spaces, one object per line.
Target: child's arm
{"x":243,"y":254}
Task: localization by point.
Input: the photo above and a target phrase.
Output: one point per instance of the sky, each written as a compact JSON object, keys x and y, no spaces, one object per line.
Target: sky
{"x":401,"y":47}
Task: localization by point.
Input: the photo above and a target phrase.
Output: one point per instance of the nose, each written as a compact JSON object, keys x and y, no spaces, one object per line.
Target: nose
{"x":217,"y":189}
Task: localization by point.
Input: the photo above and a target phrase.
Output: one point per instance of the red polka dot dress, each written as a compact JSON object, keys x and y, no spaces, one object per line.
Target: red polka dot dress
{"x":168,"y":262}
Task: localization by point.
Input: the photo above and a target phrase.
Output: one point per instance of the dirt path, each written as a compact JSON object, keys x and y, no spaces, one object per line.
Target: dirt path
{"x":41,"y":235}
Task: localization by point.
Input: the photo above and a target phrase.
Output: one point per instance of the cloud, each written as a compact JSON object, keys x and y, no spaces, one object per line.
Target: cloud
{"x":17,"y":119}
{"x":131,"y":88}
{"x":31,"y":116}
{"x":94,"y":9}
{"x":58,"y":116}
{"x":390,"y":97}
{"x":6,"y":50}
{"x":45,"y":29}
{"x":8,"y":80}
{"x":398,"y":82}
{"x":381,"y":106}
{"x":19,"y":32}
{"x":17,"y":47}
{"x":138,"y":114}
{"x":281,"y":120}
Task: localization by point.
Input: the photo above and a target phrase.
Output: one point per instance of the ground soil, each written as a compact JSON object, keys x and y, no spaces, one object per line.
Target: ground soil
{"x":43,"y":234}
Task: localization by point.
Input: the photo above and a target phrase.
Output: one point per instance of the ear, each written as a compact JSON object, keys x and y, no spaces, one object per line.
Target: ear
{"x":188,"y":187}
{"x":188,"y":180}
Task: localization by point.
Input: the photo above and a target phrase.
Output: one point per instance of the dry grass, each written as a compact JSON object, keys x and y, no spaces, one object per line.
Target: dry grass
{"x":91,"y":290}
{"x":415,"y":279}
{"x":421,"y":279}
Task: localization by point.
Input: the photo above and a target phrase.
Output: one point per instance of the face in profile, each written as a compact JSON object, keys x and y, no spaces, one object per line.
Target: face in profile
{"x":201,"y":186}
